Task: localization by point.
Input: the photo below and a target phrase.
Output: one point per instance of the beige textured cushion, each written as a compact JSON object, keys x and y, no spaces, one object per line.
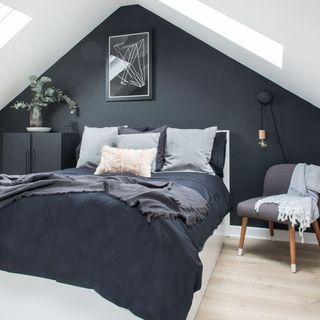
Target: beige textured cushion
{"x":137,"y":162}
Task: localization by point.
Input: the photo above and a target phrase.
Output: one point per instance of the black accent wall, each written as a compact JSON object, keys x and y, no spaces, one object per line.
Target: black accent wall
{"x":195,"y":86}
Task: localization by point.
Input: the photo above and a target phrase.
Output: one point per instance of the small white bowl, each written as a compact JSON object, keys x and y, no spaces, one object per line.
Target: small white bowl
{"x":38,"y":129}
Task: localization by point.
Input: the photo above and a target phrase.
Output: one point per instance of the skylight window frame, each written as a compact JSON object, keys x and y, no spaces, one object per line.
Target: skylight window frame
{"x":231,"y":29}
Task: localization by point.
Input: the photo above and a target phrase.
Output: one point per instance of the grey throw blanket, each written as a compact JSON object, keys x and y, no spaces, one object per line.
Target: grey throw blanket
{"x":153,"y":198}
{"x":159,"y":199}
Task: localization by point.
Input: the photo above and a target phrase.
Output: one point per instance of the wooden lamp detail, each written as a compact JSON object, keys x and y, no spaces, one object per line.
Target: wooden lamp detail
{"x":262,"y":138}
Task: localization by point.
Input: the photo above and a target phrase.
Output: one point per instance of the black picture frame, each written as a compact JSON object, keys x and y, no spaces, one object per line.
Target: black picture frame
{"x":129,"y":67}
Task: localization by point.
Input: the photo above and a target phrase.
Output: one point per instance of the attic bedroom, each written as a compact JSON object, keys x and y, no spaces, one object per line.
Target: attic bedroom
{"x":159,"y":160}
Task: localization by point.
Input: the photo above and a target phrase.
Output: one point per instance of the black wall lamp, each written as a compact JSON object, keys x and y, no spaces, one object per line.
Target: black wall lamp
{"x":265,"y":98}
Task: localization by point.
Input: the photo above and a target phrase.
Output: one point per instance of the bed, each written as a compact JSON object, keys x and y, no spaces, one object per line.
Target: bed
{"x":92,"y":241}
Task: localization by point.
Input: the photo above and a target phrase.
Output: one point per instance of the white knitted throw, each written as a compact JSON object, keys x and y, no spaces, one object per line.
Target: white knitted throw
{"x":296,"y":209}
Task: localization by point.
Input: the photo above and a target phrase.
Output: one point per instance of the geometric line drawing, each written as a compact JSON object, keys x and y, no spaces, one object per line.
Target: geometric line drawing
{"x":133,"y":54}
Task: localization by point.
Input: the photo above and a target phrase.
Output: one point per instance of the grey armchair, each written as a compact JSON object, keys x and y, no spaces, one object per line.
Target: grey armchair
{"x":277,"y":181}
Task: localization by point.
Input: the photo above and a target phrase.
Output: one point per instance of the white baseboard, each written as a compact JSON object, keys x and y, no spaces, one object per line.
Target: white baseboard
{"x":279,"y":235}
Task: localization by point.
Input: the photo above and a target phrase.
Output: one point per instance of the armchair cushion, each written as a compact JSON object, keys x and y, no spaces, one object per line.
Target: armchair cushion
{"x":267,"y":212}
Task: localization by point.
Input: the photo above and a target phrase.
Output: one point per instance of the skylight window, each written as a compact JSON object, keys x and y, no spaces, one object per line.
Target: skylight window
{"x":230,"y":29}
{"x":11,"y":22}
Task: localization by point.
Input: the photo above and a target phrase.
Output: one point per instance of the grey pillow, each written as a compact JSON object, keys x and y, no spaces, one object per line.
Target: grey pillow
{"x":218,"y":154}
{"x":139,"y":141}
{"x":189,"y":149}
{"x":93,"y":139}
{"x":162,"y":141}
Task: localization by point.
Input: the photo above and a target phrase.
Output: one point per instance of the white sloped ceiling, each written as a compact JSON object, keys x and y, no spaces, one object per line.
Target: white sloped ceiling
{"x":57,"y":25}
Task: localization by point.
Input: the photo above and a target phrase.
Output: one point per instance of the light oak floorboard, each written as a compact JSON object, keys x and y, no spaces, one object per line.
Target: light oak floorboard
{"x":260,"y":286}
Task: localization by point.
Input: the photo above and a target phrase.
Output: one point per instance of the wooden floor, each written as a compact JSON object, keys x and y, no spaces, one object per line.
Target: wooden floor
{"x":260,"y":286}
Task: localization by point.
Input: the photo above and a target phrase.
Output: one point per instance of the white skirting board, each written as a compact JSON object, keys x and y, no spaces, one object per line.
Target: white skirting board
{"x":279,"y":235}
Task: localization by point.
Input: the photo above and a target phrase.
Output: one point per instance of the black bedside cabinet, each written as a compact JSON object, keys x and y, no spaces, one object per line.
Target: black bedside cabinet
{"x":38,"y":152}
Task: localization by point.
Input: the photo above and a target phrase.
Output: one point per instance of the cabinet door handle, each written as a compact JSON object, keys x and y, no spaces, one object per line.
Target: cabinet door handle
{"x":33,"y":161}
{"x":27,"y":162}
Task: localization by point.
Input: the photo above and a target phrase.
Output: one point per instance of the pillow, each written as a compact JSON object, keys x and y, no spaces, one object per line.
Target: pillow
{"x":77,"y":152}
{"x":139,"y":141}
{"x":162,"y":141}
{"x":137,"y":162}
{"x":189,"y":149}
{"x":126,"y":130}
{"x":93,"y":139}
{"x":218,"y":154}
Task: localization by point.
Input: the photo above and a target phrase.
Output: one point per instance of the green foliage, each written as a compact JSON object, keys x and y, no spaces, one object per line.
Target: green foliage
{"x":43,"y":94}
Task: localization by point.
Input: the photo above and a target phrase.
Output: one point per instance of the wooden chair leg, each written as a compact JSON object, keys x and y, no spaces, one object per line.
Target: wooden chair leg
{"x":316,"y":229}
{"x":271,"y":229}
{"x":292,"y":238}
{"x":243,"y":234}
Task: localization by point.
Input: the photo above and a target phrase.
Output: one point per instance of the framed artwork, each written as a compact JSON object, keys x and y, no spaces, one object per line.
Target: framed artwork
{"x":129,"y":67}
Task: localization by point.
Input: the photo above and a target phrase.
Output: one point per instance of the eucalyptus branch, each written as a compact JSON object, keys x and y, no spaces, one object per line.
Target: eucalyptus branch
{"x":43,"y":94}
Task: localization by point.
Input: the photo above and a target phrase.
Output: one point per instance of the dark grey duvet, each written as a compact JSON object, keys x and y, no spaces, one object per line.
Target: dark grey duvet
{"x":95,"y":241}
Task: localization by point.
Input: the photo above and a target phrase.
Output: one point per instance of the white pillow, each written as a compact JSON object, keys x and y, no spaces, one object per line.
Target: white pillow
{"x":93,"y":139}
{"x":189,"y":149}
{"x":137,"y":162}
{"x":138,"y":141}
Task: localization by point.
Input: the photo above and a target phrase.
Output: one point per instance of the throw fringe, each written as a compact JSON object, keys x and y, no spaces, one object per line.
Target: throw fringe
{"x":189,"y":214}
{"x":296,"y":215}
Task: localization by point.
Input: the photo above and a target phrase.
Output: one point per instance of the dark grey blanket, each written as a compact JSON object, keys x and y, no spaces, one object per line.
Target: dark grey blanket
{"x":153,"y":198}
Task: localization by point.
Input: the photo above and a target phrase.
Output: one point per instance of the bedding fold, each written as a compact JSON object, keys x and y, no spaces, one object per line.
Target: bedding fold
{"x":159,"y":199}
{"x":153,"y":198}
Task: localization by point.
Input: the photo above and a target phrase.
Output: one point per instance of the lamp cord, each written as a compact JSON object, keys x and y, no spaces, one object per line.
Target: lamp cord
{"x":278,"y":135}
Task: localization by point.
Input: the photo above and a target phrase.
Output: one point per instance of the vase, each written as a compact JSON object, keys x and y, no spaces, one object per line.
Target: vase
{"x":35,"y":117}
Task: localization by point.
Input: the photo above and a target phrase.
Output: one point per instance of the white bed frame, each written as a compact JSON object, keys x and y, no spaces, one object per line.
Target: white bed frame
{"x":26,"y":297}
